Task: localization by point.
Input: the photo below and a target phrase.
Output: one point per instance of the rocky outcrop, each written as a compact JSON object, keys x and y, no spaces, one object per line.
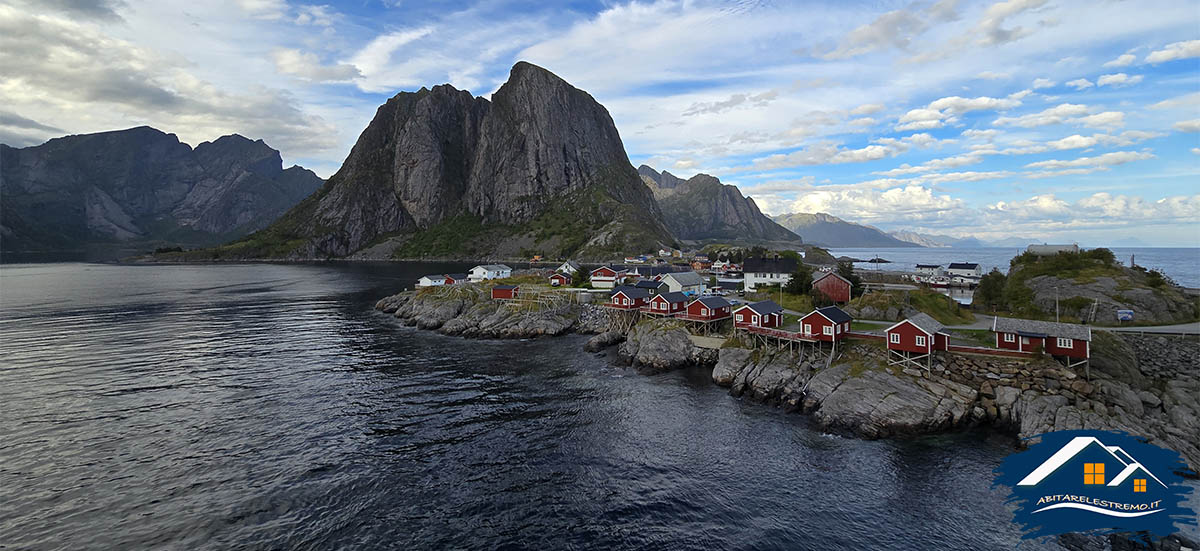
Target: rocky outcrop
{"x":662,"y":345}
{"x":467,"y":311}
{"x":142,"y":184}
{"x":604,"y":340}
{"x":1148,"y":386}
{"x":1105,"y":295}
{"x":439,"y":171}
{"x":701,"y":207}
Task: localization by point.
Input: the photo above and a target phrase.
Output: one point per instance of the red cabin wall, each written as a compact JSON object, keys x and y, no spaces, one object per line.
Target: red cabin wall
{"x":504,"y":293}
{"x":834,"y":288}
{"x":908,"y":339}
{"x":1078,"y":349}
{"x":819,"y":323}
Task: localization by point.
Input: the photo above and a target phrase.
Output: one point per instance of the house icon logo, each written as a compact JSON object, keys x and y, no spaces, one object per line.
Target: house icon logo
{"x":1082,"y":481}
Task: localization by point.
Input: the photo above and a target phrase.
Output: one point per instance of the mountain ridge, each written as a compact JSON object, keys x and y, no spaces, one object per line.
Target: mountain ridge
{"x":830,"y":231}
{"x":702,"y":208}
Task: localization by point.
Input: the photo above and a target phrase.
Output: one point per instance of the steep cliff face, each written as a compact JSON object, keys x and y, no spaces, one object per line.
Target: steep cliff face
{"x":831,"y":231}
{"x":538,"y":168}
{"x":701,"y":207}
{"x":142,"y":184}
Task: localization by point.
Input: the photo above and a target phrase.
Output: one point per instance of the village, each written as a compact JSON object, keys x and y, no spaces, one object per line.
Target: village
{"x":701,"y":295}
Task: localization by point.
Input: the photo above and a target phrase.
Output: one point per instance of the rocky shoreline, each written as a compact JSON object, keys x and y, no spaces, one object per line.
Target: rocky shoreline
{"x":1143,"y":385}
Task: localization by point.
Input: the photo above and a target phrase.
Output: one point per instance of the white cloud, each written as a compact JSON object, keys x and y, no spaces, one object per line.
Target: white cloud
{"x":1188,"y":126}
{"x":712,"y":107}
{"x":1118,"y":79}
{"x":1106,"y":119}
{"x":306,"y":65}
{"x":1123,"y":60}
{"x":992,"y":75}
{"x":1105,"y":160}
{"x":908,"y":203}
{"x":1040,"y":83}
{"x":1196,"y":150}
{"x":894,"y":29}
{"x":1053,"y":115}
{"x":1080,"y":84}
{"x":1177,"y":50}
{"x":264,"y":9}
{"x":991,"y":31}
{"x":867,"y":109}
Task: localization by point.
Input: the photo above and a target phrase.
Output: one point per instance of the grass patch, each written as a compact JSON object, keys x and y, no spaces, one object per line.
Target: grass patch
{"x":937,"y":305}
{"x":798,"y":303}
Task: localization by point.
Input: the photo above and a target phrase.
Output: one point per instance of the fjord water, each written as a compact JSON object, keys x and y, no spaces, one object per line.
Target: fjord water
{"x":268,"y":406}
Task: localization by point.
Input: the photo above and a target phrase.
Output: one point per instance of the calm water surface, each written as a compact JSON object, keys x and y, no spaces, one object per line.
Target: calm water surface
{"x":269,"y":407}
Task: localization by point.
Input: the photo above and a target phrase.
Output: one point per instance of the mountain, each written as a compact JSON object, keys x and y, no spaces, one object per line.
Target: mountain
{"x":969,"y":242}
{"x":922,"y":240}
{"x":831,"y":231}
{"x":142,"y":185}
{"x":538,"y":169}
{"x":701,"y":207}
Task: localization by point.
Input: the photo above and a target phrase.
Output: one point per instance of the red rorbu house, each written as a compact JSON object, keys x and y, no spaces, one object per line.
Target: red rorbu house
{"x":920,"y":335}
{"x":708,"y":309}
{"x":505,"y":292}
{"x":759,"y":314}
{"x":1065,"y":340}
{"x":667,"y":303}
{"x":606,"y":277}
{"x":560,"y":280}
{"x":629,"y":298}
{"x":834,"y":286}
{"x":452,"y":279}
{"x":828,"y":324}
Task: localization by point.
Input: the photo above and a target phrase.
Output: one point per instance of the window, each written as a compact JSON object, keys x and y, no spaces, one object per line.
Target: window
{"x":920,"y":340}
{"x":1065,"y":343}
{"x":837,"y":329}
{"x":1139,"y":485}
{"x":894,"y":338}
{"x":1093,"y":473}
{"x":704,"y":311}
{"x":808,"y":329}
{"x":1009,"y":337}
{"x":739,"y":317}
{"x":828,"y":329}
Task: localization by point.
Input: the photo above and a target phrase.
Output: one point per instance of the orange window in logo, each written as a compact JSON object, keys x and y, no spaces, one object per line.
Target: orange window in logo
{"x":1139,"y":485}
{"x":1093,"y":473}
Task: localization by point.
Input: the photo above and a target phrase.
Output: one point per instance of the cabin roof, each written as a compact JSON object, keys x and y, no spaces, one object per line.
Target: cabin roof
{"x":457,"y":276}
{"x":673,"y":296}
{"x":685,"y":278}
{"x":834,"y":314}
{"x":764,"y":307}
{"x":963,"y":265}
{"x":1036,"y":328}
{"x":923,"y":322}
{"x":714,"y":302}
{"x":505,"y":287}
{"x":434,"y":276}
{"x":649,"y":284}
{"x":827,"y":274}
{"x":929,"y":265}
{"x":631,"y":292}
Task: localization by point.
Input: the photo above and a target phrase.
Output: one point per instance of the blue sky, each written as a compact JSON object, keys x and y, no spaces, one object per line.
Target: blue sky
{"x":1060,"y":120}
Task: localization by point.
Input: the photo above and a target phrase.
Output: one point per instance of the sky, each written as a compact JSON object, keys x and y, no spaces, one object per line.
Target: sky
{"x":1052,"y":120}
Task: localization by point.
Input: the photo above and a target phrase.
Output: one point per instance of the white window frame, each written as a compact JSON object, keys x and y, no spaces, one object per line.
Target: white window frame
{"x":808,"y":329}
{"x":739,"y":317}
{"x":1065,"y":343}
{"x":827,"y":330}
{"x":704,"y":311}
{"x":894,"y":338}
{"x":920,"y":340}
{"x":1009,"y":337}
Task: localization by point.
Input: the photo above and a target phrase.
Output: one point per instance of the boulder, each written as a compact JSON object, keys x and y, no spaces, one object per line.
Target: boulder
{"x":657,"y":345}
{"x":603,"y":340}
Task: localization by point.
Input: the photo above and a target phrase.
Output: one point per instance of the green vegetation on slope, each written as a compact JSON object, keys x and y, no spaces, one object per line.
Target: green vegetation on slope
{"x":938,"y":306}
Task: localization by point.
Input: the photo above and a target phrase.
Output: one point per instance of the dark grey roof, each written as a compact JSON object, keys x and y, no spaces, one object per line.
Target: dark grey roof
{"x":764,"y":307}
{"x":685,"y":278}
{"x":435,"y":276}
{"x":632,"y":292}
{"x":457,"y":276}
{"x":649,"y":284}
{"x":505,"y":287}
{"x":714,"y":302}
{"x":674,"y":296}
{"x":929,"y":265}
{"x":835,"y":314}
{"x":1048,"y":328}
{"x":926,"y":323}
{"x":619,"y":288}
{"x":963,"y":265}
{"x":781,"y":265}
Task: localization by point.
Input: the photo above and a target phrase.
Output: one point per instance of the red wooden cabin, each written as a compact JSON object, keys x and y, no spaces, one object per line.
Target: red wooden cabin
{"x":708,"y":309}
{"x":828,"y":324}
{"x":505,"y":292}
{"x":560,"y":280}
{"x":834,"y":286}
{"x":919,"y":333}
{"x":759,"y":314}
{"x":1067,"y":340}
{"x":629,"y":298}
{"x":668,"y":303}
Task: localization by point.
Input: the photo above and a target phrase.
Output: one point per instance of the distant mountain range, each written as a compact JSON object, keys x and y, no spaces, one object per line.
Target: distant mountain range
{"x":142,"y":185}
{"x":702,"y":208}
{"x":830,"y":231}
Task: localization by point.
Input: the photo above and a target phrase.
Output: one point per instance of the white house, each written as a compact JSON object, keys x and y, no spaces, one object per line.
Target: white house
{"x":606,"y":277}
{"x":929,"y":269}
{"x":688,"y":283}
{"x":568,"y":267}
{"x":489,"y":271}
{"x":767,"y":271}
{"x":431,"y":281}
{"x":964,"y":269}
